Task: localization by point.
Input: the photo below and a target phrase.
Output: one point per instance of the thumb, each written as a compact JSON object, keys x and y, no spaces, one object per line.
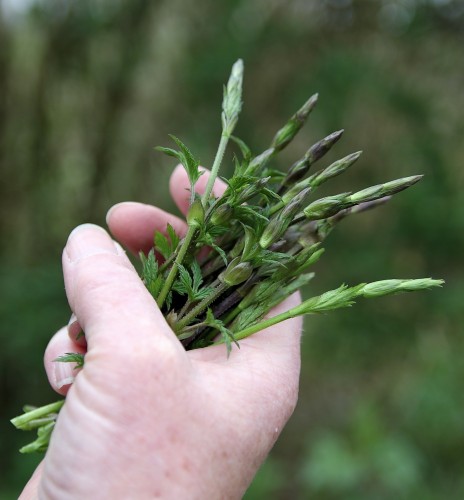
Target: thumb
{"x":109,"y":299}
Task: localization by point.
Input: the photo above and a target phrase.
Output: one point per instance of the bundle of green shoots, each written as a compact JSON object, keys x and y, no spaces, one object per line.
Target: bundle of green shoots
{"x":263,"y":236}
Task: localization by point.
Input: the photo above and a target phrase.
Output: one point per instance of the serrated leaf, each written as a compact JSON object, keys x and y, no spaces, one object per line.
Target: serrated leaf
{"x":168,"y":151}
{"x":226,"y":334}
{"x":249,"y":316}
{"x":220,"y":251}
{"x":183,"y":282}
{"x":189,"y":284}
{"x":239,"y":182}
{"x":196,"y":274}
{"x":172,"y":236}
{"x":162,"y":244}
{"x":72,"y":357}
{"x":166,"y":246}
{"x":168,"y":300}
{"x":188,"y":161}
{"x":186,"y":280}
{"x":150,"y":273}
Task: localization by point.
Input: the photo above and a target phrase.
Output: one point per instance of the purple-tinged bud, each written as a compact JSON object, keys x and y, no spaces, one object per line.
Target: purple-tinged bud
{"x":286,"y":134}
{"x":236,"y":272}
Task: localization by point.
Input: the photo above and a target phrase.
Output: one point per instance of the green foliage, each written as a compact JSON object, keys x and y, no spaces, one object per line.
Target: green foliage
{"x":226,"y":334}
{"x":72,"y":357}
{"x":166,"y":246}
{"x":188,"y":161}
{"x":150,"y":273}
{"x":190,"y":283}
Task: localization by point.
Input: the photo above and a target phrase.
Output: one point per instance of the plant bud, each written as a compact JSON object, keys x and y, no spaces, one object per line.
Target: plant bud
{"x":292,"y":192}
{"x":237,"y":248}
{"x":386,"y":189}
{"x":236,"y":272}
{"x":319,"y":149}
{"x":379,"y":288}
{"x":252,"y":190}
{"x":232,"y":102}
{"x":312,"y":259}
{"x":279,"y":224}
{"x":307,"y":255}
{"x":196,"y":214}
{"x":299,"y":169}
{"x":259,"y":161}
{"x":326,"y":207}
{"x":222,"y":214}
{"x":273,"y":232}
{"x":292,"y":127}
{"x":292,"y":208}
{"x":322,"y":176}
{"x":251,"y":247}
{"x":336,"y":168}
{"x":386,"y":287}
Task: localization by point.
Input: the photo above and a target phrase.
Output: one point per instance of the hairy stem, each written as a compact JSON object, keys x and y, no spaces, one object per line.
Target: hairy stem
{"x":199,"y":308}
{"x":175,"y":267}
{"x":215,"y":168}
{"x":262,"y":325}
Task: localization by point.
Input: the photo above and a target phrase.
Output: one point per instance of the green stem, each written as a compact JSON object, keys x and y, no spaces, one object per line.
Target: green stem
{"x":262,"y":325}
{"x":188,"y":304}
{"x":175,"y":267}
{"x":275,"y":208}
{"x":215,"y":168}
{"x":26,"y":420}
{"x":199,"y":308}
{"x":166,"y":263}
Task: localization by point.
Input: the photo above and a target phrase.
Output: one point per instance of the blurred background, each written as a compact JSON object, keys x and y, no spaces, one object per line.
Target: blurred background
{"x":89,"y":87}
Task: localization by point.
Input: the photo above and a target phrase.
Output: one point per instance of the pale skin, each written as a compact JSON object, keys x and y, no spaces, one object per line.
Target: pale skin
{"x":144,"y":418}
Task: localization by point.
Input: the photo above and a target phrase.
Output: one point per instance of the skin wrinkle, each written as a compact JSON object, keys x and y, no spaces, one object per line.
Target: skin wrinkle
{"x":253,"y":437}
{"x":75,"y":411}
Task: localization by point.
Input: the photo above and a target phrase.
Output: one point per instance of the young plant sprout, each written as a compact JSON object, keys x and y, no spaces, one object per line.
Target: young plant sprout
{"x":263,"y":236}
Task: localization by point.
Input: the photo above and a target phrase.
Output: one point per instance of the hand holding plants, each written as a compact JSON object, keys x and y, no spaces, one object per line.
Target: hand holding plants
{"x":145,"y":418}
{"x":264,"y":232}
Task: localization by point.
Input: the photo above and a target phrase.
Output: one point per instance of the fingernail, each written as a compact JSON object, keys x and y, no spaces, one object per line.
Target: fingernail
{"x":89,"y":239}
{"x":111,"y":211}
{"x":126,"y":204}
{"x":74,"y":328}
{"x":63,"y":374}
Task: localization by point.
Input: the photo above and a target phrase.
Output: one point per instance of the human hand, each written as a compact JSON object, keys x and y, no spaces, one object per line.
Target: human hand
{"x":144,"y":418}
